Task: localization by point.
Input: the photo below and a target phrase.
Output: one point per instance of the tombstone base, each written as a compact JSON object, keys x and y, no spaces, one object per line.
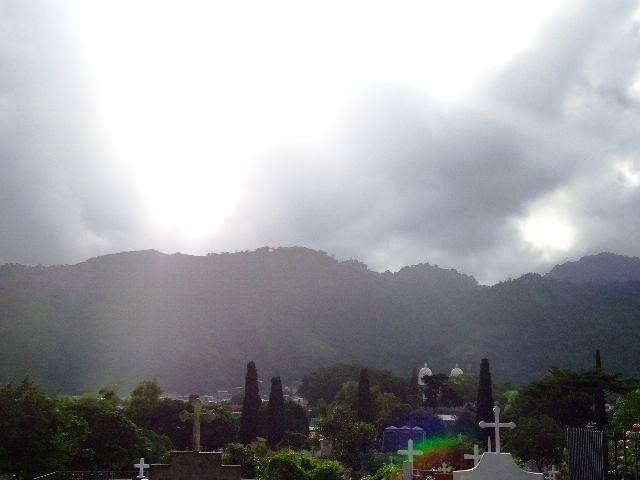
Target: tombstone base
{"x":496,"y":466}
{"x":194,"y":466}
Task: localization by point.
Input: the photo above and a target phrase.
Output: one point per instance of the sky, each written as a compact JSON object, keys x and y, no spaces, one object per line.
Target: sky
{"x":493,"y":137}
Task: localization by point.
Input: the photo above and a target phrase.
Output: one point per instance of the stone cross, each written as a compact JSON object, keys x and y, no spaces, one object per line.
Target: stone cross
{"x":197,"y":415}
{"x":410,"y":452}
{"x":445,"y":468}
{"x":552,"y":473}
{"x":497,"y":426}
{"x":141,"y":466}
{"x":475,"y":457}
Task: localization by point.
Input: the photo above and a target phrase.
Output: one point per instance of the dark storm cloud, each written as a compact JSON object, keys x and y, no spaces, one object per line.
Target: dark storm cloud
{"x":60,"y":200}
{"x":410,"y":180}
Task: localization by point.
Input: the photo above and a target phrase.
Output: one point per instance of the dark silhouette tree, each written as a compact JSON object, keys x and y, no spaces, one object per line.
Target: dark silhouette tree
{"x":275,"y":414}
{"x":250,"y":406}
{"x":600,"y":411}
{"x":364,"y":406}
{"x":484,"y":404}
{"x":413,"y":389}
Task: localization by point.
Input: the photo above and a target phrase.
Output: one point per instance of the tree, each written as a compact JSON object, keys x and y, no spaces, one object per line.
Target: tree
{"x":627,"y":412}
{"x":295,"y":418}
{"x":250,"y":406}
{"x":566,"y":396}
{"x":275,"y":414}
{"x":484,"y":404}
{"x":364,"y":406}
{"x":600,"y":410}
{"x":107,"y":437}
{"x":539,"y":438}
{"x":144,"y":400}
{"x":240,"y":454}
{"x":351,"y":439}
{"x":33,"y":441}
{"x":413,"y":389}
{"x":149,"y":410}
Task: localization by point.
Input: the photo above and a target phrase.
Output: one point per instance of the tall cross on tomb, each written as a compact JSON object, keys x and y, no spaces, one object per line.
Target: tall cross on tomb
{"x":197,"y":415}
{"x":497,"y":426}
{"x":141,"y":466}
{"x":410,"y":452}
{"x":475,"y":457}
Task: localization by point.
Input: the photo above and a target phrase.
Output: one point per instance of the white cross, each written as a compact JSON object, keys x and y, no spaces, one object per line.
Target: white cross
{"x":141,"y":466}
{"x":553,"y":472}
{"x":496,"y":425}
{"x":444,"y":468}
{"x":410,"y":452}
{"x":475,"y":457}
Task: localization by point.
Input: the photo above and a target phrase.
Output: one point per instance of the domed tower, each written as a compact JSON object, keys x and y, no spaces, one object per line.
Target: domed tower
{"x":456,"y":371}
{"x":424,"y":372}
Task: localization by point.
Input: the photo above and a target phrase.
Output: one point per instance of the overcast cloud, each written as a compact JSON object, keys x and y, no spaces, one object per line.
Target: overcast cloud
{"x":550,"y":136}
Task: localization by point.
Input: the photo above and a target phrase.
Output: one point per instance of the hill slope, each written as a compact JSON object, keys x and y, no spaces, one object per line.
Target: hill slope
{"x":193,"y":322}
{"x":601,"y":268}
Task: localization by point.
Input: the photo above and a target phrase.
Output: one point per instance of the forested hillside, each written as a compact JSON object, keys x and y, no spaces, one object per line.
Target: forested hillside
{"x":194,"y":322}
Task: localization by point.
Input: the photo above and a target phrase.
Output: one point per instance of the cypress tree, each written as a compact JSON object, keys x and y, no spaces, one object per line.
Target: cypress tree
{"x":600,"y":412}
{"x":413,"y":389}
{"x":250,"y":406}
{"x":484,"y":404}
{"x":275,"y":413}
{"x":364,"y":406}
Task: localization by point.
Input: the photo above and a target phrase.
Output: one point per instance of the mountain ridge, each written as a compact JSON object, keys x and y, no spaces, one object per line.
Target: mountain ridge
{"x":194,"y":322}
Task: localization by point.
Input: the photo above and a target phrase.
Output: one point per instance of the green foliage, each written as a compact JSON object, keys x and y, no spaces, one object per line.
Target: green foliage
{"x":283,"y":468}
{"x":539,"y":438}
{"x":326,"y":382}
{"x":33,"y":441}
{"x":106,"y":437}
{"x":484,"y":403}
{"x":144,"y":399}
{"x":148,"y":410}
{"x":351,"y":438}
{"x":364,"y":406}
{"x":297,"y":441}
{"x":287,"y":464}
{"x":250,"y":405}
{"x":295,"y":418}
{"x":275,"y":414}
{"x":221,"y":431}
{"x":566,"y":396}
{"x":438,"y":391}
{"x":385,"y":472}
{"x":627,"y":412}
{"x":326,"y":470}
{"x":244,"y":455}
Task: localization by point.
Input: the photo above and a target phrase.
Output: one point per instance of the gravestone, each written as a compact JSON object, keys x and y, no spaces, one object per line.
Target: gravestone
{"x":141,"y":466}
{"x":475,"y":457}
{"x":496,"y":465}
{"x":407,"y":467}
{"x":194,"y":466}
{"x":197,"y":415}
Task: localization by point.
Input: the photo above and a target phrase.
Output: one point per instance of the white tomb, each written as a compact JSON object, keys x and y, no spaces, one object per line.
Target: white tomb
{"x":496,"y":465}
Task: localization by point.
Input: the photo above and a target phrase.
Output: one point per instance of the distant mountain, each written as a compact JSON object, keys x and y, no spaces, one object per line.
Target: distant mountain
{"x":602,"y":268}
{"x":194,"y":322}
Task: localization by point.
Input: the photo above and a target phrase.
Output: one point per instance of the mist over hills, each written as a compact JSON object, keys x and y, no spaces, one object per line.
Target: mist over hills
{"x":193,"y":322}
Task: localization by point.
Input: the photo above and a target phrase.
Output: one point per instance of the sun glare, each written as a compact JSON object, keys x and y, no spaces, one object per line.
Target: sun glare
{"x":195,"y":93}
{"x":548,"y":232}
